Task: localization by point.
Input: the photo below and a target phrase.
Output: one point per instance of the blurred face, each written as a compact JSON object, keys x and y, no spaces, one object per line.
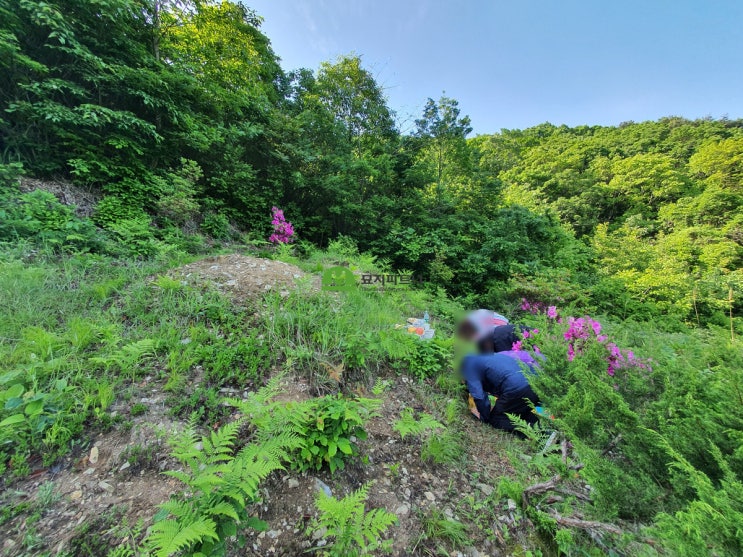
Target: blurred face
{"x":466,"y":331}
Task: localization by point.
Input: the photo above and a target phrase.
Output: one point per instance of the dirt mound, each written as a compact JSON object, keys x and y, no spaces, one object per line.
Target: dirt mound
{"x":244,"y":277}
{"x":83,"y":199}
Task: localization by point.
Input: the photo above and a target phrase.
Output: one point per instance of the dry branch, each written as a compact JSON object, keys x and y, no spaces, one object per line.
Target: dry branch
{"x":585,"y":524}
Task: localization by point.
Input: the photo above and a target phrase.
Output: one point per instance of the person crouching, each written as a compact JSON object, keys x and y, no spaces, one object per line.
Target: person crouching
{"x":499,"y":375}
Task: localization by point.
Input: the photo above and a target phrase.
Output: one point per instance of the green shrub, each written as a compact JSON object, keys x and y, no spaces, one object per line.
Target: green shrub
{"x":45,"y":210}
{"x":112,"y":210}
{"x":176,"y":202}
{"x":10,"y":175}
{"x":135,"y":237}
{"x":328,"y":428}
{"x":216,"y":225}
{"x":712,"y":522}
{"x":430,"y":358}
{"x":42,"y":218}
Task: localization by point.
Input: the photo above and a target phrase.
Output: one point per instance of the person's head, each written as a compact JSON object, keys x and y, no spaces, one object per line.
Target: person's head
{"x":479,"y":325}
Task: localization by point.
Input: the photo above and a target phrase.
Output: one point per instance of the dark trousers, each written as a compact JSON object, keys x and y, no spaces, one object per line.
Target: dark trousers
{"x":517,"y":404}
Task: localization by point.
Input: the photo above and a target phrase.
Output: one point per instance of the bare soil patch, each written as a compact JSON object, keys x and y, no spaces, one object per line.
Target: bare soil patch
{"x":244,"y":277}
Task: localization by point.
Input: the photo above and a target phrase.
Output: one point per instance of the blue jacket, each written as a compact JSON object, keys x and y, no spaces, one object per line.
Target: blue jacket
{"x":496,"y":374}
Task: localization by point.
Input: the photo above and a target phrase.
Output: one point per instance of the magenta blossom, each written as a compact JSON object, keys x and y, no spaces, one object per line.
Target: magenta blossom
{"x":283,"y":231}
{"x":583,"y":329}
{"x":552,"y":312}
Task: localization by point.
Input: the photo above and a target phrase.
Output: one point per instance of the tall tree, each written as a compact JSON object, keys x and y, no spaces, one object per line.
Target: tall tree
{"x":443,"y":133}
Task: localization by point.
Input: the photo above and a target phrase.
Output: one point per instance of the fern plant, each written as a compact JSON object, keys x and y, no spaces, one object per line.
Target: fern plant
{"x":220,"y":487}
{"x":127,"y":357}
{"x":409,"y":425}
{"x":327,"y":427}
{"x":355,"y":532}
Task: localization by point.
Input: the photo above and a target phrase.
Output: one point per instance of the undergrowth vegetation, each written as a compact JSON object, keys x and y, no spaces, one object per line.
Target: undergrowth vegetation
{"x":647,"y":419}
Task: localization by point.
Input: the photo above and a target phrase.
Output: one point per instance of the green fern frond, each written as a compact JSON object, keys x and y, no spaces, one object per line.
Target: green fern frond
{"x":177,"y":508}
{"x":224,"y":509}
{"x":219,"y":445}
{"x":355,"y":531}
{"x":127,"y":355}
{"x":169,"y":537}
{"x":409,"y":425}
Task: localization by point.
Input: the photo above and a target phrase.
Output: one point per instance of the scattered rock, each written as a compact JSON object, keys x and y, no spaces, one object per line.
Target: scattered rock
{"x":124,"y":466}
{"x":428,"y":495}
{"x":105,"y":486}
{"x":486,"y":489}
{"x":512,"y":505}
{"x":93,"y":458}
{"x":322,"y":486}
{"x":402,"y":510}
{"x":273,"y":534}
{"x":75,"y":495}
{"x":471,"y":552}
{"x":317,"y":534}
{"x":292,"y":483}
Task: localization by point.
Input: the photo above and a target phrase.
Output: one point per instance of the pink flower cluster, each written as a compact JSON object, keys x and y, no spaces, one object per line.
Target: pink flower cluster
{"x":532,"y":307}
{"x":582,"y":329}
{"x":618,"y":360}
{"x":283,"y":231}
{"x":519,"y":344}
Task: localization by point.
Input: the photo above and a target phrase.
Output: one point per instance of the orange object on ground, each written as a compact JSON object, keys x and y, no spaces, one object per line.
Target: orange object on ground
{"x":472,"y":406}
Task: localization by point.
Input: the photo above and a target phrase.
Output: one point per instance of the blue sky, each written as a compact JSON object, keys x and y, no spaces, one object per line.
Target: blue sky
{"x":517,"y":63}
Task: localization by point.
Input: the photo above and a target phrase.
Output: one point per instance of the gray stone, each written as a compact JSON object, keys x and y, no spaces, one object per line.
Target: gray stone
{"x":292,"y":483}
{"x":105,"y":486}
{"x":512,"y":505}
{"x":318,"y":534}
{"x":322,"y":486}
{"x":486,"y":489}
{"x":428,"y":495}
{"x":402,"y":510}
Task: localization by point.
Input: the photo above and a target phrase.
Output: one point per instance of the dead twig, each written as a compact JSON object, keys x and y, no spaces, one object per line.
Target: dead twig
{"x":538,"y":488}
{"x":585,"y":524}
{"x":564,"y":450}
{"x":576,"y":494}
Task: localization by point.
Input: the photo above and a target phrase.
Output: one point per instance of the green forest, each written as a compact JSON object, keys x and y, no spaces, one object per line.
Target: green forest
{"x":176,"y":122}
